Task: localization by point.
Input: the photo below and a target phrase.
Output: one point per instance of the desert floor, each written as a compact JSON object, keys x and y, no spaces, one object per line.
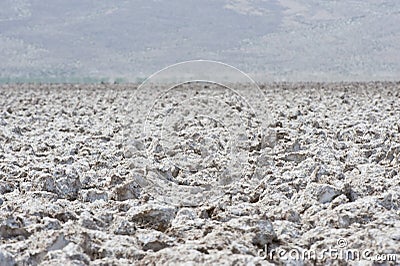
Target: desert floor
{"x":95,"y":174}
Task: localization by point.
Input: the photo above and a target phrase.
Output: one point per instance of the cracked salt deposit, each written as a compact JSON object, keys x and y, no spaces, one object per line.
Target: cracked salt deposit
{"x":79,"y":185}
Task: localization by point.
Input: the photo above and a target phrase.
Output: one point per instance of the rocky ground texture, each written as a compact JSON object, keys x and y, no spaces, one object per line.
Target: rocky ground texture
{"x":77,"y":180}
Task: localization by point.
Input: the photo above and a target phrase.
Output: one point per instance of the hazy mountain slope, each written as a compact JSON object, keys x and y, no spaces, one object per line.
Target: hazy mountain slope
{"x":285,"y":39}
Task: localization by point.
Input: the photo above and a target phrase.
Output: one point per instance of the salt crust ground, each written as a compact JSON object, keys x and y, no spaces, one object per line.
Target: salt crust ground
{"x":327,"y":169}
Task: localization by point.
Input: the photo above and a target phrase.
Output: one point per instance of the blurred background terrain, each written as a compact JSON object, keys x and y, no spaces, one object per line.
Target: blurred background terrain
{"x":272,"y":40}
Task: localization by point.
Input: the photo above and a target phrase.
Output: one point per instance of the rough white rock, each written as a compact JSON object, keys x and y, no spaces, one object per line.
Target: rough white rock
{"x":79,"y":183}
{"x":6,"y":258}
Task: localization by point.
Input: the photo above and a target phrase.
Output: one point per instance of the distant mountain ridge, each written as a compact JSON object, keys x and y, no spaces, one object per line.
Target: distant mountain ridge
{"x":128,"y":40}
